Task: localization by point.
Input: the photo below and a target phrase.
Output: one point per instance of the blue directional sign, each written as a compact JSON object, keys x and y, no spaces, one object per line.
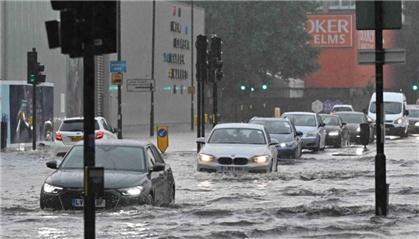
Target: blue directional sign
{"x":118,"y":66}
{"x":162,"y":132}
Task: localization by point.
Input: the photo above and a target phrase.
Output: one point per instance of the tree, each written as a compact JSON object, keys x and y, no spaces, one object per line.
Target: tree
{"x":261,"y":37}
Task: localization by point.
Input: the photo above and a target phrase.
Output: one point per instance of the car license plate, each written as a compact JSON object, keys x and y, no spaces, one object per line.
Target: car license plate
{"x":76,"y":138}
{"x":79,"y":202}
{"x":231,"y":169}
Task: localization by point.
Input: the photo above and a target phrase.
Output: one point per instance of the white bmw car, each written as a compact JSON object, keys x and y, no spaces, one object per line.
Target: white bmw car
{"x":238,"y":147}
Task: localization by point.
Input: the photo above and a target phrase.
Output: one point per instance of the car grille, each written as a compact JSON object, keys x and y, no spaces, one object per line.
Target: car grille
{"x":235,"y":161}
{"x":111,"y":198}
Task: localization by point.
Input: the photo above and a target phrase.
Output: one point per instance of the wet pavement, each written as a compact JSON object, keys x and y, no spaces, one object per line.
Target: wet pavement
{"x":328,"y":194}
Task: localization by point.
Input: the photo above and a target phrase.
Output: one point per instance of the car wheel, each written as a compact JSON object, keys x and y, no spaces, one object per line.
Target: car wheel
{"x":150,"y":199}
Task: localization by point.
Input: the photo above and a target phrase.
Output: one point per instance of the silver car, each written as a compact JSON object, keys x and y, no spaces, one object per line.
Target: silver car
{"x":238,"y":147}
{"x":311,"y":124}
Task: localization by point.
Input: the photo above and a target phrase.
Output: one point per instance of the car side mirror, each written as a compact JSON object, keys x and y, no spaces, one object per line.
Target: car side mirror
{"x":322,"y":125}
{"x":61,"y":154}
{"x":406,"y":112}
{"x":201,"y":140}
{"x":273,"y":142}
{"x":52,"y":164}
{"x":158,"y":167}
{"x":299,"y":133}
{"x":343,"y":123}
{"x":114,"y":130}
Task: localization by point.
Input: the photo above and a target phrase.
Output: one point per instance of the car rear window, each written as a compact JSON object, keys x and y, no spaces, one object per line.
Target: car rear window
{"x":75,"y":125}
{"x":337,"y":109}
{"x":353,"y":118}
{"x":111,"y":157}
{"x":274,"y":127}
{"x":302,"y":120}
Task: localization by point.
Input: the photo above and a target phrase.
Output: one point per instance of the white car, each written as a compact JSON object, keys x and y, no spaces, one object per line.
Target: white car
{"x":71,"y":131}
{"x":238,"y":147}
{"x":339,"y":108}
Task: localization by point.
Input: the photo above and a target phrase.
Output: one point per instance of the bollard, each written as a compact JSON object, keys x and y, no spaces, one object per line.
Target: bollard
{"x":3,"y":138}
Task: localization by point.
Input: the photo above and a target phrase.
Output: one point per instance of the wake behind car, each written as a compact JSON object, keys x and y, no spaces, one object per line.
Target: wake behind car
{"x":314,"y":133}
{"x":71,"y":131}
{"x":237,"y":147}
{"x":134,"y":173}
{"x":289,"y":139}
{"x":337,"y":132}
{"x":353,"y":122}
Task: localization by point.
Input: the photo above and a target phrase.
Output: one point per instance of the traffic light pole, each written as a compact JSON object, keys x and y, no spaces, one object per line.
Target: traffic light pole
{"x":381,"y":187}
{"x":152,"y":85}
{"x":214,"y":102}
{"x":118,"y":40}
{"x":33,"y":116}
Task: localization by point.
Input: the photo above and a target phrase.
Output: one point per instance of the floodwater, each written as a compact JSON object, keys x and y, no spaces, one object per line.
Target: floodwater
{"x":321,"y":195}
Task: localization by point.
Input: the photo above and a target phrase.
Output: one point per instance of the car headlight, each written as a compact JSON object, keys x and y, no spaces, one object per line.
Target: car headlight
{"x":48,"y":188}
{"x":133,"y":191}
{"x":358,"y":129}
{"x":205,"y":157}
{"x":333,"y":133}
{"x":282,"y":145}
{"x":311,"y":134}
{"x":261,"y":159}
{"x":398,"y":121}
{"x":417,"y":124}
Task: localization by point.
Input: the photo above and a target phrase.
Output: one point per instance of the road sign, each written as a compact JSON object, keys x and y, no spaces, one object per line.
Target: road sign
{"x":118,"y":66}
{"x":317,"y":106}
{"x":139,"y":85}
{"x":391,"y":56}
{"x":391,"y":13}
{"x":117,"y":78}
{"x":162,"y":137}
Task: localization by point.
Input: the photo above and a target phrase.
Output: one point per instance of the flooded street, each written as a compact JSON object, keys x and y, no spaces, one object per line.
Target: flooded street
{"x":321,"y":195}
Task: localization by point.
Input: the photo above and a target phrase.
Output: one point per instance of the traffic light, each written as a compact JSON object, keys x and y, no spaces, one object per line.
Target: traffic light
{"x":415,"y":86}
{"x":252,"y":89}
{"x":264,"y":86}
{"x":243,"y":87}
{"x":35,"y":69}
{"x":215,"y":56}
{"x":202,"y":57}
{"x":82,"y":22}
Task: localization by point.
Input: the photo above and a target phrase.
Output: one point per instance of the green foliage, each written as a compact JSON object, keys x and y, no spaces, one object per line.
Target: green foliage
{"x":260,"y":37}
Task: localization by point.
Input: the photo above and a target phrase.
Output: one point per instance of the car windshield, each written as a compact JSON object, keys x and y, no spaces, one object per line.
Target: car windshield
{"x":389,"y":107}
{"x":302,"y":120}
{"x":353,"y":118}
{"x":275,"y":126}
{"x":341,"y":108}
{"x":414,"y":113}
{"x":330,"y":120}
{"x":75,"y":125}
{"x":110,"y":157}
{"x":237,"y":136}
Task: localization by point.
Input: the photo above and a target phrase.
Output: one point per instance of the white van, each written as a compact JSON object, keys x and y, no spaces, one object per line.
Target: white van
{"x":395,"y":119}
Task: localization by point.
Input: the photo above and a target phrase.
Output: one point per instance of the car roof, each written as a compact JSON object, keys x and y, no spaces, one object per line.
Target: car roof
{"x":349,"y":106}
{"x":270,"y":119}
{"x":349,"y":113}
{"x":80,"y":118}
{"x":299,"y":113}
{"x":391,"y":96}
{"x":119,"y":142}
{"x":412,"y":107}
{"x":329,"y":115}
{"x":239,"y":125}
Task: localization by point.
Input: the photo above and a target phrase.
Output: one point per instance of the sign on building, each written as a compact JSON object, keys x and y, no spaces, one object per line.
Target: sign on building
{"x":330,"y":30}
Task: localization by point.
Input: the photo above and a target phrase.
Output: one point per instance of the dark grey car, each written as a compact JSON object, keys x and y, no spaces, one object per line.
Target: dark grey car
{"x":135,"y":173}
{"x":353,"y":122}
{"x":289,"y":139}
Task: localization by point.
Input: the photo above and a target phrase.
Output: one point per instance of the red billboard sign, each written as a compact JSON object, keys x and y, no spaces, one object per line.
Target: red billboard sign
{"x":330,"y":30}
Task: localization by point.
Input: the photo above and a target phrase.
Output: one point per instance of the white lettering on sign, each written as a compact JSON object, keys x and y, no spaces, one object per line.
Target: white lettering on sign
{"x":330,"y":30}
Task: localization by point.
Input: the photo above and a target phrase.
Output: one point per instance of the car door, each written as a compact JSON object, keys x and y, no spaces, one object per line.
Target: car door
{"x":157,"y":178}
{"x":168,"y":180}
{"x":272,"y":148}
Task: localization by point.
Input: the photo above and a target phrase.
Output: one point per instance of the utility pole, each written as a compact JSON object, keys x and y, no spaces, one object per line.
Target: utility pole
{"x":201,"y":78}
{"x":152,"y":85}
{"x":118,"y":46}
{"x":381,"y":192}
{"x":192,"y":67}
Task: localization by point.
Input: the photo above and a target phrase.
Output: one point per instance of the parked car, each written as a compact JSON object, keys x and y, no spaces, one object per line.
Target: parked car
{"x":339,"y":108}
{"x":289,"y":139}
{"x":135,"y":173}
{"x":71,"y":131}
{"x":413,"y":118}
{"x":312,"y":127}
{"x":353,"y":122}
{"x":337,"y":132}
{"x":396,"y":122}
{"x":238,"y":147}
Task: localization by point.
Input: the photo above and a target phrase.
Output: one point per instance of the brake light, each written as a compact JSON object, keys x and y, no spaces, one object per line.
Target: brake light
{"x":99,"y":134}
{"x":58,"y":136}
